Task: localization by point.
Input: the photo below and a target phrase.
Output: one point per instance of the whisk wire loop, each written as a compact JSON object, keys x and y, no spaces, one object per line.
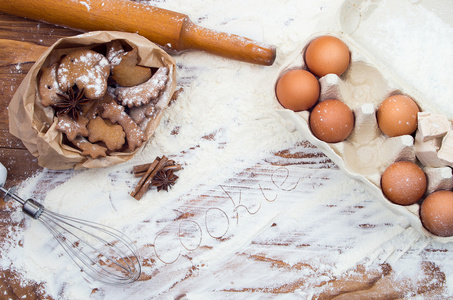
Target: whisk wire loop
{"x":101,"y":252}
{"x":112,"y":261}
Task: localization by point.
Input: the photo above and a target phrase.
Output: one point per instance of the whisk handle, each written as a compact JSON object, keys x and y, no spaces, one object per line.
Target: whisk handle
{"x":32,"y":208}
{"x":3,"y":174}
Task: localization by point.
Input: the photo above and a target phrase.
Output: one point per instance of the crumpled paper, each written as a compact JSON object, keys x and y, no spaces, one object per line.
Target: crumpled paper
{"x":35,"y":124}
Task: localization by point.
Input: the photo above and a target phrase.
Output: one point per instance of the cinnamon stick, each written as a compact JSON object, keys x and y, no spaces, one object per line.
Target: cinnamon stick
{"x":143,"y":168}
{"x":147,"y":182}
{"x":171,"y":167}
{"x":139,"y":185}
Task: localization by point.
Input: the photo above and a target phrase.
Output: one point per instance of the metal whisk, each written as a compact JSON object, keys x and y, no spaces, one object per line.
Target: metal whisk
{"x":103,"y":253}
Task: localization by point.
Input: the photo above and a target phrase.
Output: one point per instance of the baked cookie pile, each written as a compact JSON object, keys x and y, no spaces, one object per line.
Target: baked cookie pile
{"x":102,"y":98}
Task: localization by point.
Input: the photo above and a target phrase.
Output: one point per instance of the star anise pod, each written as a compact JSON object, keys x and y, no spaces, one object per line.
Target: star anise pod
{"x":72,"y":103}
{"x":164,"y":180}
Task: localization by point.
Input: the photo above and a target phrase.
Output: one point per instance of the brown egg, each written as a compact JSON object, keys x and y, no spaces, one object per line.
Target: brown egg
{"x":397,"y":115}
{"x":327,"y":54}
{"x":436,"y":213}
{"x":403,"y":182}
{"x":331,"y":121}
{"x":297,"y":90}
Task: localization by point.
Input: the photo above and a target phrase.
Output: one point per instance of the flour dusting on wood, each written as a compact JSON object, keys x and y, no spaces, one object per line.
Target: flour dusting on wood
{"x":247,"y":214}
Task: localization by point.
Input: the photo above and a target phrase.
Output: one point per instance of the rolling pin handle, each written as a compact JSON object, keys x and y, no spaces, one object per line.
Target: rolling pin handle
{"x":224,"y":44}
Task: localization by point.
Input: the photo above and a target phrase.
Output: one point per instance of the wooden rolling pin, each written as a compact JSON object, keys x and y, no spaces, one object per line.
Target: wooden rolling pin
{"x":171,"y":30}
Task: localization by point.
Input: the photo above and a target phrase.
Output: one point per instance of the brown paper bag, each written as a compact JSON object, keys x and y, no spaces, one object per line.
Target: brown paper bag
{"x":35,"y":124}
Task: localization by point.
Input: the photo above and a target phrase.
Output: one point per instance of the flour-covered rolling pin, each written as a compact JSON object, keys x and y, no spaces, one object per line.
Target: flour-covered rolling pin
{"x":171,"y":30}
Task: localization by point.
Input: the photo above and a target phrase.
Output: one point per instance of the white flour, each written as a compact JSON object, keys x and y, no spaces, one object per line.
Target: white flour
{"x":408,"y":48}
{"x":222,"y":123}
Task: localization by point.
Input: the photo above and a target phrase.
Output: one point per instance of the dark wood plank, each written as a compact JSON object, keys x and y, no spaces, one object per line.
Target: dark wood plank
{"x":20,"y":165}
{"x":21,"y":29}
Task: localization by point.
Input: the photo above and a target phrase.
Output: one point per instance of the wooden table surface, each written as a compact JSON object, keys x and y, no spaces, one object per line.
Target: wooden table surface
{"x":22,"y":41}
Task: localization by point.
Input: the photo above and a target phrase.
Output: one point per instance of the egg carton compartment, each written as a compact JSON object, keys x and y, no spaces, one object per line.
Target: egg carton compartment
{"x":411,"y":38}
{"x":367,"y":152}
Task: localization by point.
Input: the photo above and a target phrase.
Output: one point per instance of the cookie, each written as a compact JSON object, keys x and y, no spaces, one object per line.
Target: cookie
{"x":114,"y":49}
{"x":112,"y":135}
{"x":140,"y":113}
{"x":72,"y":128}
{"x":48,"y":85}
{"x":143,"y":93}
{"x":89,"y":149}
{"x":127,"y":72}
{"x":116,"y":114}
{"x":87,"y":69}
{"x":94,"y":109}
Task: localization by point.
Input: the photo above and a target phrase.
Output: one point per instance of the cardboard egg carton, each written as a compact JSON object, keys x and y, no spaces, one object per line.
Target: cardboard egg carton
{"x":367,"y":152}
